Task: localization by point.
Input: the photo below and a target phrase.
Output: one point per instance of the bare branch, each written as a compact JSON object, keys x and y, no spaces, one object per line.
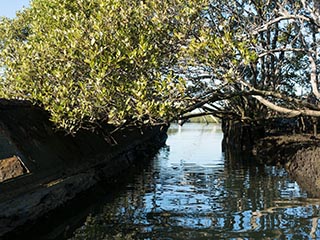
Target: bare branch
{"x":313,"y":76}
{"x":283,"y":49}
{"x":287,"y":111}
{"x":267,"y":25}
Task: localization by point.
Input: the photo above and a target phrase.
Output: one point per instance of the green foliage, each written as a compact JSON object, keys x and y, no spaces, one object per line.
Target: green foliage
{"x":215,"y":51}
{"x":249,"y":48}
{"x":93,"y":61}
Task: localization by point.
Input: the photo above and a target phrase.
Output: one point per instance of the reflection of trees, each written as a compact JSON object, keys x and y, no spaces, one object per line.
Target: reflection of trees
{"x":117,"y":220}
{"x":176,"y":201}
{"x":260,"y":191}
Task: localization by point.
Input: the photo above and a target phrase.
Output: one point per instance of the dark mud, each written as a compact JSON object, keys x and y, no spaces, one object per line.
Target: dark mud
{"x":280,"y":142}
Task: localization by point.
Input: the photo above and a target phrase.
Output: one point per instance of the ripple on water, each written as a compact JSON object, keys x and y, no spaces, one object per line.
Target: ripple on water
{"x":191,"y":192}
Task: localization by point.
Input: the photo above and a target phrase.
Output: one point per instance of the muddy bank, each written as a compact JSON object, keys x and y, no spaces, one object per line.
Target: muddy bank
{"x":42,"y":169}
{"x":298,"y":153}
{"x":279,"y":142}
{"x":305,"y":168}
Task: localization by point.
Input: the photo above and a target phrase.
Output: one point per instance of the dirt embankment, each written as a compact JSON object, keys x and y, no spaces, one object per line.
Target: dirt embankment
{"x":280,"y":143}
{"x":42,"y":169}
{"x":298,"y":153}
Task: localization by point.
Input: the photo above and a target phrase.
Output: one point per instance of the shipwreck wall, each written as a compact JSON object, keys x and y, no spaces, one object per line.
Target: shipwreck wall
{"x":41,"y":169}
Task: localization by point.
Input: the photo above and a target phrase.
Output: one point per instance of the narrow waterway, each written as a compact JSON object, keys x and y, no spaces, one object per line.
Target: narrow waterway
{"x":190,"y":191}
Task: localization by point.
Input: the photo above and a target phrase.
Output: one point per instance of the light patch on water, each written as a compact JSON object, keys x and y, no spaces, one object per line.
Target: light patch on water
{"x":192,"y":192}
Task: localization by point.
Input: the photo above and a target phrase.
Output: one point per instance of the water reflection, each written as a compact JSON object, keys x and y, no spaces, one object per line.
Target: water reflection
{"x":191,"y":192}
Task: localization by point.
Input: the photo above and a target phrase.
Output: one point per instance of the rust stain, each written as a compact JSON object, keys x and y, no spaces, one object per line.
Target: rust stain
{"x":11,"y":168}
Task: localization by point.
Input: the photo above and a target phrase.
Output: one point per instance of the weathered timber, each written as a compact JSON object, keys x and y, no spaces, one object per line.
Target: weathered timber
{"x":55,"y":167}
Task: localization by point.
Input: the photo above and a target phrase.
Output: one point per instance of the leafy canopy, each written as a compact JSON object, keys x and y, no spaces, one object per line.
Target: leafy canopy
{"x":258,"y":59}
{"x":97,"y":61}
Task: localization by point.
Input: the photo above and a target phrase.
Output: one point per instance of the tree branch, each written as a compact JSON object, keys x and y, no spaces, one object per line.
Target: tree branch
{"x":287,"y":111}
{"x":266,"y":26}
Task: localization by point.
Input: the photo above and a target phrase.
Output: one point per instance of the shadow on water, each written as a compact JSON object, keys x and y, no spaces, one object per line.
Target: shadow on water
{"x":191,"y":191}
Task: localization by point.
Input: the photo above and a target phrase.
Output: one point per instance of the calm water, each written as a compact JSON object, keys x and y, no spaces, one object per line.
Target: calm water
{"x":190,"y":191}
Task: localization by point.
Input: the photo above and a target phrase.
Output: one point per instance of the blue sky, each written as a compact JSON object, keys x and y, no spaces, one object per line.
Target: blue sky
{"x":8,"y":8}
